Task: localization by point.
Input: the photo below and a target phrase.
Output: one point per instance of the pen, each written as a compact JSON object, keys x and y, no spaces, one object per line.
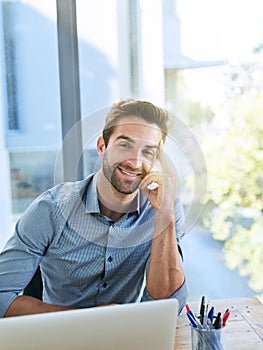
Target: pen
{"x":217,"y":324}
{"x":192,"y":320}
{"x":206,"y":310}
{"x":189,"y":311}
{"x":202,"y":310}
{"x":211,"y":314}
{"x":225,"y":317}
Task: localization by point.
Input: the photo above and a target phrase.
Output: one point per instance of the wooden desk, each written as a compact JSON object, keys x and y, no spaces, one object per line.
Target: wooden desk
{"x":244,"y":328}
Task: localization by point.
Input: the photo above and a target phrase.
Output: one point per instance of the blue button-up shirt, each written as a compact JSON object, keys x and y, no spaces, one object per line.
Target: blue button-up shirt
{"x":85,"y":258}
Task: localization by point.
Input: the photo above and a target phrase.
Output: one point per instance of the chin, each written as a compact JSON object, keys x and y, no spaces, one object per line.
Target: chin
{"x":125,"y":189}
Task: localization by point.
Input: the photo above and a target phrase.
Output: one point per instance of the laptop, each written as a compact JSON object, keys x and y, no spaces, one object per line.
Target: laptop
{"x":148,"y":325}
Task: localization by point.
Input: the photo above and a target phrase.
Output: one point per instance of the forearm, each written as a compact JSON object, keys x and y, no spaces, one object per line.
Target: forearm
{"x":165,"y":275}
{"x":25,"y":305}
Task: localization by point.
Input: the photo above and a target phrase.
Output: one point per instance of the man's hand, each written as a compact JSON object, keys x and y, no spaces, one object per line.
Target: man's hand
{"x":162,"y":198}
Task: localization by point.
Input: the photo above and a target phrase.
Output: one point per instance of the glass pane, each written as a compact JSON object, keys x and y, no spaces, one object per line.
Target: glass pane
{"x":214,"y":83}
{"x":98,"y":66}
{"x":98,"y":53}
{"x":30,"y":99}
{"x":31,"y":174}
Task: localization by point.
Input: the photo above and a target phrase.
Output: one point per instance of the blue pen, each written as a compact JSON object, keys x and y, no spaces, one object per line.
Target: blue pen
{"x":192,"y":320}
{"x":211,"y":314}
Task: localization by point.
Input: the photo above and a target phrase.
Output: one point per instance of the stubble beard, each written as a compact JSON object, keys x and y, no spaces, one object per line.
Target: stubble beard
{"x":122,"y":186}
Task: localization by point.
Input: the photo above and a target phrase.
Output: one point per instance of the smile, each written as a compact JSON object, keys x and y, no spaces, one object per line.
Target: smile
{"x":134,"y":175}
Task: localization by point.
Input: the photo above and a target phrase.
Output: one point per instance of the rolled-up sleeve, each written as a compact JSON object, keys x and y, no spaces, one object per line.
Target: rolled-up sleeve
{"x":6,"y":299}
{"x":180,"y":295}
{"x":24,"y":250}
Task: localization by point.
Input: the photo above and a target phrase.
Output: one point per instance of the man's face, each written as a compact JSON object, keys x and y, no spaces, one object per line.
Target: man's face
{"x":130,"y":154}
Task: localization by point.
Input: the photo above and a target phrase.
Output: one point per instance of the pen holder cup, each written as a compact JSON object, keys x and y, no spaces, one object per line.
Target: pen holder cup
{"x":207,"y":339}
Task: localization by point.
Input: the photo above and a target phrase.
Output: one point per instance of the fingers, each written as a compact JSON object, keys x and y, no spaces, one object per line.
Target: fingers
{"x":152,"y":180}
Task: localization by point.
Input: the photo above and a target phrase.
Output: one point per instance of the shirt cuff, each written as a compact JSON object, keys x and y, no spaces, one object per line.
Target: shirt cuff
{"x":180,"y":295}
{"x":6,"y":299}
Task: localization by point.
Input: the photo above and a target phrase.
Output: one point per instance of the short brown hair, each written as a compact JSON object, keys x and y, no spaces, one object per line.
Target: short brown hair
{"x":141,"y":109}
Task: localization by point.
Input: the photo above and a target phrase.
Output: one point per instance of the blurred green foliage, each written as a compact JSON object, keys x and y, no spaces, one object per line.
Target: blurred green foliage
{"x":234,"y":155}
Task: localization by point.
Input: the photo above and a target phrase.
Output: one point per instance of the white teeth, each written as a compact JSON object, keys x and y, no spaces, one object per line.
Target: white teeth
{"x":125,"y":172}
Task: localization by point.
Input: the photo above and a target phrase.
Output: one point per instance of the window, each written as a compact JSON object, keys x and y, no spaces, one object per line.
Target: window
{"x":30,"y":100}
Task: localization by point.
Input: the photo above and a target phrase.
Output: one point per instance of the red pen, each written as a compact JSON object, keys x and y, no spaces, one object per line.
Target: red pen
{"x":187,"y":308}
{"x":225,"y":317}
{"x":189,"y":311}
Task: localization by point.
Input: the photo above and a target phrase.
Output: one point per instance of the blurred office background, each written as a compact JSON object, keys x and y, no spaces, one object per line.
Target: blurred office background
{"x":63,"y":62}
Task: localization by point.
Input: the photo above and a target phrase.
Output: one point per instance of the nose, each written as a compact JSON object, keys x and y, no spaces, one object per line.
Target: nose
{"x":135,"y":162}
{"x":134,"y":159}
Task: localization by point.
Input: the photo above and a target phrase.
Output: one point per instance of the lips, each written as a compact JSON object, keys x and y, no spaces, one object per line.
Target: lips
{"x":129,"y":173}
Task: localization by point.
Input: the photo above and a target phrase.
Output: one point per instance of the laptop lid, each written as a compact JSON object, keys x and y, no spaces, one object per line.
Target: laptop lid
{"x":138,"y":326}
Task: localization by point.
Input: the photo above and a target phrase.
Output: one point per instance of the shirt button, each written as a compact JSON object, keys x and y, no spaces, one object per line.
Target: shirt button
{"x":109,"y":259}
{"x":104,"y":285}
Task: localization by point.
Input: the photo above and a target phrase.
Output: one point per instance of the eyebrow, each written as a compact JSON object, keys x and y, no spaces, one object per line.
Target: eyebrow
{"x":127,"y":138}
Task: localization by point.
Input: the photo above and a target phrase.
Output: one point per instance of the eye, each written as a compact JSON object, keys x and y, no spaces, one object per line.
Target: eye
{"x":149,"y":153}
{"x":124,"y":145}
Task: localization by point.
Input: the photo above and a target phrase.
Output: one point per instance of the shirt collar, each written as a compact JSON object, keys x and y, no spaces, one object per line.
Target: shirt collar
{"x":92,"y":203}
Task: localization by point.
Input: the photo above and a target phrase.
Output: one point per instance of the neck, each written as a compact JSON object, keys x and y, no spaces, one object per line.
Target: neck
{"x":112,"y":214}
{"x":112,"y":203}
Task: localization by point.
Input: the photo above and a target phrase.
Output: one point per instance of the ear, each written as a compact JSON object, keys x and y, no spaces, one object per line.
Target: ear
{"x":101,"y":145}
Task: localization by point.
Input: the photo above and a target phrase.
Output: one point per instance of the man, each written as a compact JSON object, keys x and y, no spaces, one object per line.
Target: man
{"x":95,"y":240}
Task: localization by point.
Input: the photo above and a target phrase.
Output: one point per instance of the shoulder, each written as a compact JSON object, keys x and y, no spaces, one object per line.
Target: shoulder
{"x":60,"y":197}
{"x":69,"y":191}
